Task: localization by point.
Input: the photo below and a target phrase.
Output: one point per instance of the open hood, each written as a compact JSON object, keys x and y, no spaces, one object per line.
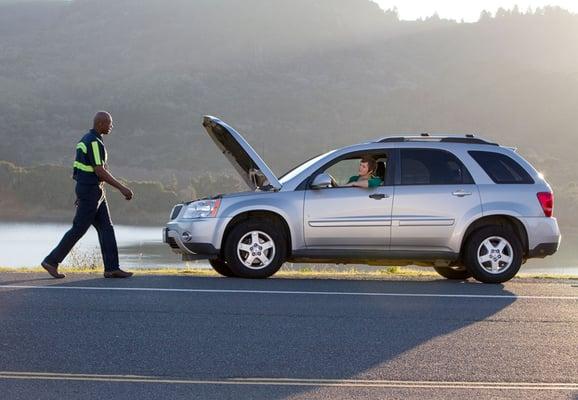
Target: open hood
{"x":244,"y":158}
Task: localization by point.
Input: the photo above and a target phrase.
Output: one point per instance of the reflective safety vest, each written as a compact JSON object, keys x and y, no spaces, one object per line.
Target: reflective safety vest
{"x":90,"y":152}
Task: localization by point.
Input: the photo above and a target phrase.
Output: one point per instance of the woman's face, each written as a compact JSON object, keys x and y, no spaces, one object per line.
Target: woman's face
{"x":363,"y":168}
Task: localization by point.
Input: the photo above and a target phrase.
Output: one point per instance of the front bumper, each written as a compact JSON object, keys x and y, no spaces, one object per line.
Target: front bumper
{"x":200,"y":237}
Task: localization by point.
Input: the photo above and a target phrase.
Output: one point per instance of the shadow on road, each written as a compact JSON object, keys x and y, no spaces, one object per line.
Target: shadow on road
{"x":27,"y":281}
{"x":232,"y":335}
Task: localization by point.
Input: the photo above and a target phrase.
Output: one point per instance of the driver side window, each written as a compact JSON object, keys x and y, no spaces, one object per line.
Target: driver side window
{"x":343,"y":170}
{"x":347,"y":170}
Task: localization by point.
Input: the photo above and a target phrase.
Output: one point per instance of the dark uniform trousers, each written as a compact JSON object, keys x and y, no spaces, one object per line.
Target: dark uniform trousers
{"x":92,"y":209}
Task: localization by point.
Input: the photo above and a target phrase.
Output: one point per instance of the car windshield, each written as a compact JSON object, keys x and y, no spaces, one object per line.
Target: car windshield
{"x":292,"y":173}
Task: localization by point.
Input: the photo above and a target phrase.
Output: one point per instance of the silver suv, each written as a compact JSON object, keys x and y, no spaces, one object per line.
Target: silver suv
{"x":465,"y":206}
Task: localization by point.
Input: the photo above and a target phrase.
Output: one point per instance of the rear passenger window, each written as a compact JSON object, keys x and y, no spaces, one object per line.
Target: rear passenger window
{"x":501,"y":168}
{"x":432,"y":167}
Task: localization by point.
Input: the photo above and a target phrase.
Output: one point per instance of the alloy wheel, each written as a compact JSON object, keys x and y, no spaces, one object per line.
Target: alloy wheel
{"x":256,"y":250}
{"x":495,"y":255}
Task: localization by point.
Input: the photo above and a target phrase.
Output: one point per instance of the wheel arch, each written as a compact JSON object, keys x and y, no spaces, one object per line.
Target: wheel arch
{"x":269,"y":215}
{"x":501,"y":220}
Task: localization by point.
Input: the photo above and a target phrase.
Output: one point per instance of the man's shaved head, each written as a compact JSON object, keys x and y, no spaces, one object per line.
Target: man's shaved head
{"x":102,"y":122}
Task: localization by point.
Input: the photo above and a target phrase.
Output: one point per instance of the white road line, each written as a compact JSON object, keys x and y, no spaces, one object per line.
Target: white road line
{"x":295,"y":292}
{"x":10,"y":375}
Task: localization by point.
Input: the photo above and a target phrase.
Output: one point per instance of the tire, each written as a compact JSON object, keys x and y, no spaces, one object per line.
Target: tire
{"x":257,"y":240}
{"x":221,"y":267}
{"x":502,"y":251}
{"x":456,"y":273}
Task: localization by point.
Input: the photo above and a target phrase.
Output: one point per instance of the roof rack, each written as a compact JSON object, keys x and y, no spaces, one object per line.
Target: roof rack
{"x":426,"y":137}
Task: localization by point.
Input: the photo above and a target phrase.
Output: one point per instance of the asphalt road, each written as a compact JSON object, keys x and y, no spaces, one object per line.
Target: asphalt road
{"x":152,"y":337}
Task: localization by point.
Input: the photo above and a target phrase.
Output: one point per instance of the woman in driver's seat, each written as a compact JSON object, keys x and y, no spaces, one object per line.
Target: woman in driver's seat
{"x":367,"y":166}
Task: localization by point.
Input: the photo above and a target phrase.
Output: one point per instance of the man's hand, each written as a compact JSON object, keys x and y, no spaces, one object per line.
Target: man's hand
{"x":126,"y":192}
{"x":107,"y":177}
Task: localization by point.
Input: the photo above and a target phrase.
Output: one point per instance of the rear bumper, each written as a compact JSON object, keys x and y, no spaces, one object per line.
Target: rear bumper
{"x":543,"y":250}
{"x":543,"y":236}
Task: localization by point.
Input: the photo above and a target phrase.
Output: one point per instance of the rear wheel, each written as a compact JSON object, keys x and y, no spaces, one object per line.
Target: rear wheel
{"x":221,"y":267}
{"x":493,"y":254}
{"x":457,"y":272}
{"x":255,"y":249}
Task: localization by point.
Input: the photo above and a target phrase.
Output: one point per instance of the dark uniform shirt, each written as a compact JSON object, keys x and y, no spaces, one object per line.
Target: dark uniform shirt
{"x":90,"y":152}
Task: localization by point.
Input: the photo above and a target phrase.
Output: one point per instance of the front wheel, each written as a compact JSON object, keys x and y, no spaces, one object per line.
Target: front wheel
{"x":458,"y":273}
{"x":255,"y":249}
{"x":493,"y":254}
{"x":221,"y":267}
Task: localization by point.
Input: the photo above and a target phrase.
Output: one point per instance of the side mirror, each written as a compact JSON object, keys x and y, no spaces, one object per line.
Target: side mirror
{"x":321,"y":181}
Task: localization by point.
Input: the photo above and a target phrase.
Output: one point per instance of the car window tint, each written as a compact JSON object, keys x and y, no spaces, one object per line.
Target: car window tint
{"x":381,"y":169}
{"x":432,"y":167}
{"x":501,"y":168}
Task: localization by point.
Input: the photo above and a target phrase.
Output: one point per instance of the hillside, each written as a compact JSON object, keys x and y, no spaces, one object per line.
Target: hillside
{"x":295,"y":77}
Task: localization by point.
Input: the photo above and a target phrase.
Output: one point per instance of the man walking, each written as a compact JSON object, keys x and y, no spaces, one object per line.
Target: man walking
{"x":90,"y":173}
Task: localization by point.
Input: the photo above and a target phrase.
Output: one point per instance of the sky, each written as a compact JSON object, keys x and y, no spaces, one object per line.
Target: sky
{"x":469,"y":10}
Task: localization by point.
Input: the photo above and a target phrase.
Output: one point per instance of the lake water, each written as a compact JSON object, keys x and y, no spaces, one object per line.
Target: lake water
{"x":26,"y":245}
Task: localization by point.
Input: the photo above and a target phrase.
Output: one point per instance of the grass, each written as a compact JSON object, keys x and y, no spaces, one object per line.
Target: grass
{"x":547,"y":276}
{"x":304,"y":272}
{"x":86,"y":260}
{"x":90,"y":262}
{"x":301,"y":272}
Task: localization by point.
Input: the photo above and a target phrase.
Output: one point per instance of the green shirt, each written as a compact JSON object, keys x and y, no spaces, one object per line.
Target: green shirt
{"x":373,"y":181}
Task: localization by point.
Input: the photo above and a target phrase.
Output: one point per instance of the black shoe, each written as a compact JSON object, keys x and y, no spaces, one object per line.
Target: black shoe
{"x":52,"y":270}
{"x":117,"y":273}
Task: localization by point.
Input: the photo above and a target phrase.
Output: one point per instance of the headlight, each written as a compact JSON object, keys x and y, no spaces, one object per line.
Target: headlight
{"x":202,"y":209}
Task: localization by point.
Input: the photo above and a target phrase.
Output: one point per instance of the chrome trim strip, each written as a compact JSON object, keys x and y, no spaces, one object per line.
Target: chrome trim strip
{"x":351,"y":222}
{"x":426,"y":222}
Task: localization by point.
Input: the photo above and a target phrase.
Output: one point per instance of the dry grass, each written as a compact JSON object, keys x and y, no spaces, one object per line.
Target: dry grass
{"x":90,"y":262}
{"x":83,"y":260}
{"x":301,"y":273}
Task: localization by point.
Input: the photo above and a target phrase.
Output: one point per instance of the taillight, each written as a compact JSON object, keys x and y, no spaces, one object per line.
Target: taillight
{"x":546,"y":200}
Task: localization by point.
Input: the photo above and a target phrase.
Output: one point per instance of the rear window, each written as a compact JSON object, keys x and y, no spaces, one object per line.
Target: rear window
{"x":432,"y":167}
{"x":501,"y":168}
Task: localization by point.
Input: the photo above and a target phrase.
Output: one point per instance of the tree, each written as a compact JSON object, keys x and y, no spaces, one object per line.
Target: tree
{"x":502,"y":13}
{"x":485,"y":16}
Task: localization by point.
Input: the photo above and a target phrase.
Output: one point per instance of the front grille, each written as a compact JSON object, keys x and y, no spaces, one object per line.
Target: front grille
{"x":171,"y":241}
{"x":176,"y":211}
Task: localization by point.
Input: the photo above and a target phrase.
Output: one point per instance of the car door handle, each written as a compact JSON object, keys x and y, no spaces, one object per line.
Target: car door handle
{"x":378,"y":196}
{"x":461,"y":193}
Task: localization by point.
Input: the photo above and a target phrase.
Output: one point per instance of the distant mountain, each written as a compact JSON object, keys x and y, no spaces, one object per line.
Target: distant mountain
{"x":295,"y":77}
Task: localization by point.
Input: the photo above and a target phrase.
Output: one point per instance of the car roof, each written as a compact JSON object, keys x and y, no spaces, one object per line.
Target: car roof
{"x":426,"y":137}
